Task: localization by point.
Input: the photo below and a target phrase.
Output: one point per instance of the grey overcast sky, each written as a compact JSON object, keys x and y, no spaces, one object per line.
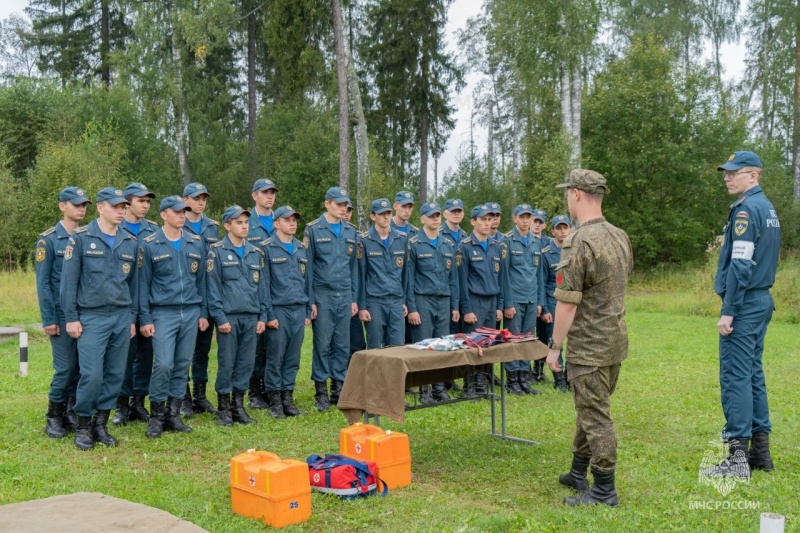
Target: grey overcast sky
{"x":460,"y":11}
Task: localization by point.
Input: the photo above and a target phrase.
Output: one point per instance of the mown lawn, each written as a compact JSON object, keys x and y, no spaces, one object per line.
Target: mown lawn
{"x":666,"y":410}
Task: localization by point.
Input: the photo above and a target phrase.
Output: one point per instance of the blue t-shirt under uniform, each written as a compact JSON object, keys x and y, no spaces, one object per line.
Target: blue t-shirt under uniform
{"x":289,"y":246}
{"x":336,"y":229}
{"x":134,"y":228}
{"x":267,"y":221}
{"x":176,"y":244}
{"x":110,"y":239}
{"x":239,"y":251}
{"x":196,"y":226}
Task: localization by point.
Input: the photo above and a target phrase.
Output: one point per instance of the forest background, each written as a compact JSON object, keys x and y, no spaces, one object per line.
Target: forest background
{"x":313,"y":93}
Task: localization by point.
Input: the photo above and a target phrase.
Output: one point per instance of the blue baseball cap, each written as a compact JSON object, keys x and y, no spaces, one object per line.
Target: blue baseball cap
{"x":540,"y":214}
{"x":453,"y":203}
{"x":234,"y":211}
{"x":381,"y":205}
{"x":111,"y":195}
{"x":195,"y":189}
{"x":349,"y":204}
{"x":741,"y":159}
{"x":338,"y":195}
{"x":73,"y":195}
{"x":404,"y":198}
{"x":494,"y":208}
{"x":264,"y":185}
{"x":560,"y":219}
{"x":139,"y":190}
{"x":429,"y":208}
{"x":173,"y":202}
{"x":523,"y":208}
{"x":285,"y":211}
{"x":479,"y":211}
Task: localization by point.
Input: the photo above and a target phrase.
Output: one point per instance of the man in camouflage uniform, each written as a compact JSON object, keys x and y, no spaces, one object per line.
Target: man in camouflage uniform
{"x":591,"y":277}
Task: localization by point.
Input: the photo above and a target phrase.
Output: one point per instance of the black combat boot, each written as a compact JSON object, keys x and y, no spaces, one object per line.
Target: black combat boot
{"x":138,"y":411}
{"x":172,"y":420}
{"x":560,"y":381}
{"x":336,"y":391}
{"x":469,"y":388}
{"x":524,"y":385}
{"x":453,"y":386}
{"x":425,"y":396}
{"x":602,"y":491}
{"x":224,"y":410}
{"x":238,"y":414}
{"x":576,"y":477}
{"x":735,"y":464}
{"x":256,"y":396}
{"x":275,"y":404}
{"x":121,"y":411}
{"x":200,"y":404}
{"x":99,"y":430}
{"x":70,"y":418}
{"x":54,"y":427}
{"x":187,"y":406}
{"x":440,"y":392}
{"x":155,"y":426}
{"x":322,"y":403}
{"x":289,"y":408}
{"x":512,"y":383}
{"x":760,"y":458}
{"x":481,"y":383}
{"x":83,"y":433}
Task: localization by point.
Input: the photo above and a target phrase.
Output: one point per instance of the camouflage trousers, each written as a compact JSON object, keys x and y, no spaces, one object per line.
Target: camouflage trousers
{"x":594,"y":432}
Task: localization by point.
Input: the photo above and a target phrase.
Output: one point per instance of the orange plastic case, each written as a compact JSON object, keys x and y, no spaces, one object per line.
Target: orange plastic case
{"x":389,"y":450}
{"x":275,"y":490}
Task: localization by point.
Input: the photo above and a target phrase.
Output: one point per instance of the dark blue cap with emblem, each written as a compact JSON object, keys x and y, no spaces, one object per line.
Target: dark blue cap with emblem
{"x":264,"y":185}
{"x":494,"y":208}
{"x":73,"y":195}
{"x":540,"y":214}
{"x":195,"y":189}
{"x":429,"y":208}
{"x":112,"y":196}
{"x":285,"y":211}
{"x":381,"y":205}
{"x":453,"y":204}
{"x":173,"y":202}
{"x":139,"y":190}
{"x":338,"y":195}
{"x":404,"y":198}
{"x":523,"y":208}
{"x":479,"y":211}
{"x":561,"y":219}
{"x":234,"y":211}
{"x":741,"y":159}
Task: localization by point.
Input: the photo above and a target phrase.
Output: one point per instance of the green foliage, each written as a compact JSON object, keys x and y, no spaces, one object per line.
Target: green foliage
{"x":26,"y":106}
{"x":658,"y":136}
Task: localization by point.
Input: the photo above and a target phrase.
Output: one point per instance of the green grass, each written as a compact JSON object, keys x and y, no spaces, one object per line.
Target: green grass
{"x":666,"y":411}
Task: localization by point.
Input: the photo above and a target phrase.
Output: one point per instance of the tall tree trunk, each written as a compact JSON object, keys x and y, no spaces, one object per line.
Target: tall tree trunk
{"x":490,"y":142}
{"x":436,"y":177}
{"x":178,"y":108}
{"x":796,"y":162}
{"x":105,"y":43}
{"x":765,"y":76}
{"x":423,"y":158}
{"x":341,"y":80}
{"x":576,"y":96}
{"x":251,"y":93}
{"x":362,"y":144}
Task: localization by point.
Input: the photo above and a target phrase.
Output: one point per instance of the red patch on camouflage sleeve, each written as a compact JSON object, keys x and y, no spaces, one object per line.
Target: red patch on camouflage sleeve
{"x":559,"y":278}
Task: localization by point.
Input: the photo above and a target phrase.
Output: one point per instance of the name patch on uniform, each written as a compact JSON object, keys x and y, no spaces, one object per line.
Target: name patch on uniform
{"x":323,"y":239}
{"x":424,"y":255}
{"x":475,"y":258}
{"x":742,"y":250}
{"x":373,"y":254}
{"x":278,"y":260}
{"x":40,"y":254}
{"x":161,"y":257}
{"x":99,"y":253}
{"x":740,"y":226}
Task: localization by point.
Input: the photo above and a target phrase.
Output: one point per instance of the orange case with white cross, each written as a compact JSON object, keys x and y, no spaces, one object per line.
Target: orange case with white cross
{"x":390,"y":451}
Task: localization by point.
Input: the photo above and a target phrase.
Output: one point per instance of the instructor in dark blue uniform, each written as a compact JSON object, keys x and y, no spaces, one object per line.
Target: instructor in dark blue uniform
{"x":746,"y":271}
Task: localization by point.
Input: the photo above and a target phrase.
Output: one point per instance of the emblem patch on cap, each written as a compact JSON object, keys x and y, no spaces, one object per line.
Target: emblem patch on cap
{"x":455,"y":202}
{"x":80,"y":192}
{"x":343,"y":192}
{"x":432,"y":205}
{"x":384,"y":203}
{"x":198,"y":186}
{"x":118,"y":192}
{"x":407,"y":195}
{"x":732,"y":157}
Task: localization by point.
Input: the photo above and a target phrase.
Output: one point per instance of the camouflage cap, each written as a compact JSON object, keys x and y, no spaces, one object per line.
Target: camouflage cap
{"x":585,"y":180}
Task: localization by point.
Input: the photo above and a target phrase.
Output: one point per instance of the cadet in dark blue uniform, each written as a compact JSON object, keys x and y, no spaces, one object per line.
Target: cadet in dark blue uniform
{"x":453,"y":215}
{"x":99,"y":299}
{"x":261,"y":227}
{"x":381,"y":258}
{"x":238,"y":303}
{"x":431,"y":286}
{"x":140,"y":353}
{"x":49,"y":256}
{"x":331,"y":247}
{"x":403,"y":207}
{"x":196,"y":197}
{"x":543,"y":329}
{"x":496,"y":213}
{"x":483,"y":283}
{"x":358,"y":338}
{"x":289,"y":313}
{"x":527,"y":296}
{"x":747,"y":264}
{"x":172,"y":297}
{"x":551,"y":255}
